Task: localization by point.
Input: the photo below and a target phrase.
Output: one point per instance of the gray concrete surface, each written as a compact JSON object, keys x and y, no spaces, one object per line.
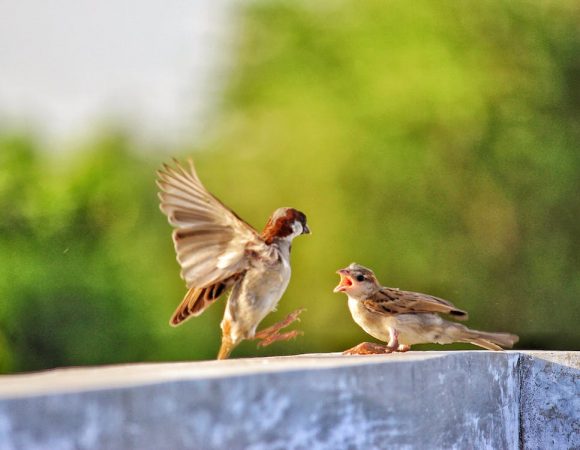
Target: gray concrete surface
{"x":550,"y":400}
{"x":428,"y":400}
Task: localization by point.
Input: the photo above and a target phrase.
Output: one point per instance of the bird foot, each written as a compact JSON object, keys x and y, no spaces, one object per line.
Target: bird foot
{"x":368,"y":348}
{"x":270,"y":339}
{"x":271,"y":334}
{"x":403,"y":348}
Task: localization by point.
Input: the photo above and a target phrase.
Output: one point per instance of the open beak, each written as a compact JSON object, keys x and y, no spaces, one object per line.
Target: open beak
{"x":345,"y":281}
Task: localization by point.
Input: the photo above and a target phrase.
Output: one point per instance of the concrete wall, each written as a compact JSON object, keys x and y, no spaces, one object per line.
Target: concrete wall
{"x":430,"y":400}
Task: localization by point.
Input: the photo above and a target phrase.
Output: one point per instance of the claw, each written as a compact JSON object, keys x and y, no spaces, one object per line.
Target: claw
{"x":273,"y":329}
{"x":279,"y":337}
{"x":271,"y":334}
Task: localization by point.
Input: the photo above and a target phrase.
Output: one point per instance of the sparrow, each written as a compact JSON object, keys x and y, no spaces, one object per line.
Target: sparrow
{"x":219,"y":252}
{"x":403,"y":318}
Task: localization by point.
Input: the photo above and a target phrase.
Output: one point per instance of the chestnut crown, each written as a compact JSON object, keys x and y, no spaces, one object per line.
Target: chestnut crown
{"x":285,"y":223}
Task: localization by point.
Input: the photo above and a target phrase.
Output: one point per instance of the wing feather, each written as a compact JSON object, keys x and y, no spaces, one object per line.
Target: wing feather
{"x":206,"y":231}
{"x":390,"y":301}
{"x":197,"y":300}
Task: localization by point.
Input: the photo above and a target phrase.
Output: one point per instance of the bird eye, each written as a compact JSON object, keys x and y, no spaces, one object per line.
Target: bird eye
{"x":360,"y":278}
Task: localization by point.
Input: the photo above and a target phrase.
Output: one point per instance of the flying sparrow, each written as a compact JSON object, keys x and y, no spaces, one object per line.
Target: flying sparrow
{"x":219,"y":252}
{"x":404,"y":318}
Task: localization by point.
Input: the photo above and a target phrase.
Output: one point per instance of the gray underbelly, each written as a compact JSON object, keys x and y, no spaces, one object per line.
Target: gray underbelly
{"x":256,"y":298}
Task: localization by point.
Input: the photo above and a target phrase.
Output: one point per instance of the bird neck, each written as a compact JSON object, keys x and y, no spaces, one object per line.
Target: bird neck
{"x":284,"y":245}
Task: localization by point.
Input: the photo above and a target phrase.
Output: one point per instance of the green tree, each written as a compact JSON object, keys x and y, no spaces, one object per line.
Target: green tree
{"x":435,"y":142}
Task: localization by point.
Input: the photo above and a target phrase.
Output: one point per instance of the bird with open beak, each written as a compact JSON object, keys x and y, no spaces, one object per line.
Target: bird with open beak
{"x":403,"y":318}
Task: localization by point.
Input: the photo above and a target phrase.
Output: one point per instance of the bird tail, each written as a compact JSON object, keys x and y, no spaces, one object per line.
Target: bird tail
{"x":226,"y":348}
{"x":491,"y":341}
{"x":228,"y":344}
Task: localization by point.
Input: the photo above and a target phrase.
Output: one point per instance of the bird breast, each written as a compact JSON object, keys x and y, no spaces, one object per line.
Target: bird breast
{"x":267,"y":282}
{"x":412,"y":328}
{"x":261,"y":289}
{"x":374,"y":324}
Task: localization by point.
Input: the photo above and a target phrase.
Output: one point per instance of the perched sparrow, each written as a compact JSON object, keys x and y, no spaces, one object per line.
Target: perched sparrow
{"x":218,"y":252}
{"x":404,"y":318}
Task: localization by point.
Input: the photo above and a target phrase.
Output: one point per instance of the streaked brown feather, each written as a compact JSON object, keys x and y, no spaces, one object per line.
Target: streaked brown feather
{"x":197,"y":300}
{"x":211,"y":241}
{"x":394,"y":301}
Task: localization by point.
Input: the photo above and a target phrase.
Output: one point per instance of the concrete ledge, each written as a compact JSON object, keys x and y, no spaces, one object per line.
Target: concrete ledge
{"x":475,"y":399}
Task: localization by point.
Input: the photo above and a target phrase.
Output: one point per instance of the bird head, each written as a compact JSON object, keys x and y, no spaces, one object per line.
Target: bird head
{"x":285,"y":223}
{"x":357,"y":281}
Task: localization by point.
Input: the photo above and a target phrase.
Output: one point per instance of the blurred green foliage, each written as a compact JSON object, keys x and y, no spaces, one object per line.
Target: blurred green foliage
{"x":435,"y":142}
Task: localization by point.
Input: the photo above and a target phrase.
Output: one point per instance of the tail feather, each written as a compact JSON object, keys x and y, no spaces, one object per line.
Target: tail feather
{"x":227,"y":342}
{"x":485,"y":344}
{"x":225,"y":349}
{"x":491,"y":341}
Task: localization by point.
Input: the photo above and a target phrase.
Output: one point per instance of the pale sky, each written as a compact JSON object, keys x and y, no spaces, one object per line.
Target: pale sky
{"x":67,"y":66}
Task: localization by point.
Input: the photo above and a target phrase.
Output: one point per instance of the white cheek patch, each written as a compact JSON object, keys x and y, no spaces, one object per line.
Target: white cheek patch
{"x":297,"y":229}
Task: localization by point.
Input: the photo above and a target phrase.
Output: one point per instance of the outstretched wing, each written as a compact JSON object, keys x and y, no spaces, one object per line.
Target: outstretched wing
{"x":390,"y":301}
{"x":212,"y":243}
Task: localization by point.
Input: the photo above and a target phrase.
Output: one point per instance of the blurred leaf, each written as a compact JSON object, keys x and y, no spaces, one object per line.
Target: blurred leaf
{"x":434,"y":142}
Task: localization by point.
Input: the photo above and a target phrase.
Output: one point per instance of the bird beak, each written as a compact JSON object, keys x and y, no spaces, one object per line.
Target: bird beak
{"x":345,"y":281}
{"x":305,"y":230}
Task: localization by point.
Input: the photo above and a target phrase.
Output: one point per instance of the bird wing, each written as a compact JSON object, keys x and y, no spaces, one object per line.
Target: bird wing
{"x":212,"y":243}
{"x":197,"y":300}
{"x":390,"y":301}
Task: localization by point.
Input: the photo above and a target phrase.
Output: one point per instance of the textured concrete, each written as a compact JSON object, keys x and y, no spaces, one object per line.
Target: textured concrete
{"x":416,"y":400}
{"x":550,"y":400}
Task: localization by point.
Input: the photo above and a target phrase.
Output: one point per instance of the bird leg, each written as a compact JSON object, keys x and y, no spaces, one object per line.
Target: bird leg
{"x":393,"y":344}
{"x":264,"y":342}
{"x":271,"y":334}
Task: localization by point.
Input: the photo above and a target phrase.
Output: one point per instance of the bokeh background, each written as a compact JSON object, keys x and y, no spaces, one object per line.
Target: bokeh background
{"x":435,"y":142}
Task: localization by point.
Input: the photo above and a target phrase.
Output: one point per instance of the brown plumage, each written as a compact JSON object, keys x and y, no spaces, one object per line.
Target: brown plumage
{"x":394,"y":301}
{"x":403,"y":318}
{"x":197,"y":300}
{"x":219,"y":252}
